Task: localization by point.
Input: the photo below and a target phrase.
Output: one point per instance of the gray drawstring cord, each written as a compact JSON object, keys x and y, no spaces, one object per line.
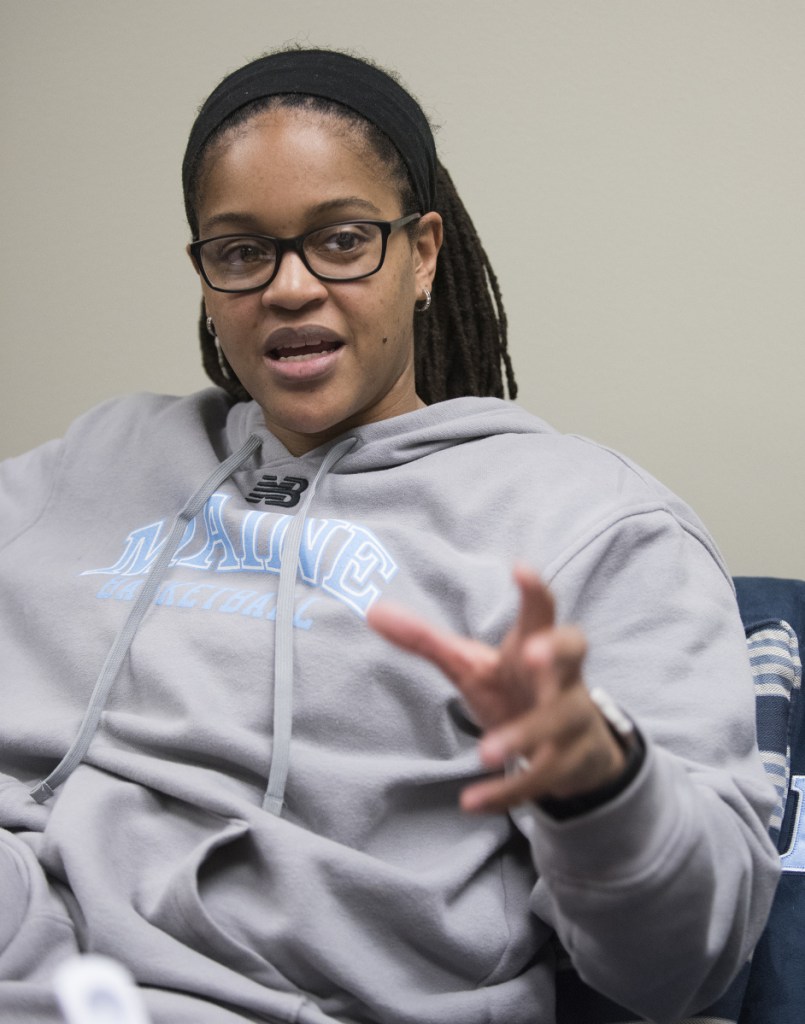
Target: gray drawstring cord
{"x":44,"y":790}
{"x":283,"y":639}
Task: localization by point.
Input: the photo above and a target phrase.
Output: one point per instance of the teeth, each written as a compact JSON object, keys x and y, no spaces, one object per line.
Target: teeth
{"x":299,"y":358}
{"x":286,"y":353}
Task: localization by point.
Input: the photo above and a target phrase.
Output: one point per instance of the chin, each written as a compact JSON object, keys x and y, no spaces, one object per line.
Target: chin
{"x":311,"y":425}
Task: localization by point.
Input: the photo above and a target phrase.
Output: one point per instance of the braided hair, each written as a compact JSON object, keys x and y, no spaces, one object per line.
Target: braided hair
{"x":461,"y":341}
{"x":462,"y":348}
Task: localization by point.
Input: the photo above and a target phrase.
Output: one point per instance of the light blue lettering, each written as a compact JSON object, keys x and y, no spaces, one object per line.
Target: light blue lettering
{"x":108,"y":589}
{"x":298,"y":621}
{"x":188,"y":598}
{"x":317,"y":533}
{"x":236,"y":602}
{"x":217,"y":543}
{"x":178,"y":594}
{"x":218,"y":592}
{"x":128,"y":591}
{"x":167,"y":592}
{"x":273,"y":559}
{"x":187,"y":536}
{"x":362,"y":557}
{"x":345,"y":560}
{"x":793,"y":859}
{"x":258,"y":608}
{"x":139,"y":554}
{"x":251,"y":523}
{"x":142,"y":550}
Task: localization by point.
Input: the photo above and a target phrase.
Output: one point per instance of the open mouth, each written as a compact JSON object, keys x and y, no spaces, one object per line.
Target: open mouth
{"x":296,"y":353}
{"x":303,"y":343}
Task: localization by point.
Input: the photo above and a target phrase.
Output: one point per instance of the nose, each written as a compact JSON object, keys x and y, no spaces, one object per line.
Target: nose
{"x":294,"y":286}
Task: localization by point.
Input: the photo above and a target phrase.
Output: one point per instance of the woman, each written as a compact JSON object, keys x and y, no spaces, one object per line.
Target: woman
{"x":257,"y":807}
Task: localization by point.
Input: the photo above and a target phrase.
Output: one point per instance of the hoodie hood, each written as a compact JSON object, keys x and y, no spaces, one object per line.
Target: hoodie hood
{"x":402,"y":439}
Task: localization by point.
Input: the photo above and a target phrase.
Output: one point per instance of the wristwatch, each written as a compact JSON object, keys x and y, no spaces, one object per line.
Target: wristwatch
{"x":620,"y":725}
{"x":631,"y":743}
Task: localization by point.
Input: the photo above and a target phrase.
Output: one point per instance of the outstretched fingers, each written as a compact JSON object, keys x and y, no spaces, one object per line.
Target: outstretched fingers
{"x":552,"y":663}
{"x":528,"y":695}
{"x":537,"y":610}
{"x":461,"y":659}
{"x":557,"y":750}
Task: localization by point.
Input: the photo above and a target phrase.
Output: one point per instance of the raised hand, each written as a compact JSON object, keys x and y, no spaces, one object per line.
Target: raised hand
{"x":529,"y":697}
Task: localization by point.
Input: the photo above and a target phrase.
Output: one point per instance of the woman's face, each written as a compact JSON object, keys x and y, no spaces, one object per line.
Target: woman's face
{"x":319,"y":357}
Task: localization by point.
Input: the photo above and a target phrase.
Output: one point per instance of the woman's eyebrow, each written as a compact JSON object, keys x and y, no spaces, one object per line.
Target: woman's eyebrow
{"x":323,"y":209}
{"x":352,"y":202}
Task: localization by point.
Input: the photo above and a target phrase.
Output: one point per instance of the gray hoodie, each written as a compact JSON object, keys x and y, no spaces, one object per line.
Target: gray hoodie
{"x":250,"y":799}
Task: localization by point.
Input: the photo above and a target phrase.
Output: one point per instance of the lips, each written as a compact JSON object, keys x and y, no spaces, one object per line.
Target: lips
{"x":296,"y":344}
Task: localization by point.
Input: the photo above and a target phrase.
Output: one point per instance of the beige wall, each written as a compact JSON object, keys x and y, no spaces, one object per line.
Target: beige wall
{"x":636,"y":169}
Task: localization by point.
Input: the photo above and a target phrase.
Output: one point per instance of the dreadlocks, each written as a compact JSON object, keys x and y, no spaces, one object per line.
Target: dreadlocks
{"x":461,"y":347}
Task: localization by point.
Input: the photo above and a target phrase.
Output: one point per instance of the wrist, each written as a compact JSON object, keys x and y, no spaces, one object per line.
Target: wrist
{"x":633,"y":749}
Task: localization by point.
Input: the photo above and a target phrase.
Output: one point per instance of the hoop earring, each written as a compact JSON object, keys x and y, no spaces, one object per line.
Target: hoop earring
{"x":424,"y":305}
{"x":223,"y":365}
{"x":210,"y":327}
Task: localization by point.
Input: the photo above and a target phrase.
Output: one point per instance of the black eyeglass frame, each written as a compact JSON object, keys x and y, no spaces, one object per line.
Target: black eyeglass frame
{"x":283,"y":245}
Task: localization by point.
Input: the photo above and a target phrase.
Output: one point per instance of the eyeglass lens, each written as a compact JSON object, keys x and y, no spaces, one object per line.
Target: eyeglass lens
{"x":338,"y":252}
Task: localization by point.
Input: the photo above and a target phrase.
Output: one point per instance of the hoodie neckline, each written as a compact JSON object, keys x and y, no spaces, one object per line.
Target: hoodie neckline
{"x":398,"y":439}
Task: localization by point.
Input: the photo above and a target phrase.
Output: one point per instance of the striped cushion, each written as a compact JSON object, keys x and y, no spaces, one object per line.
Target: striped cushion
{"x":774,"y":654}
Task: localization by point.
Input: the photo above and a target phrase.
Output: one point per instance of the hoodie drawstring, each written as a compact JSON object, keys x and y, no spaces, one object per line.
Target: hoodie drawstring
{"x":283,"y":638}
{"x":44,"y":790}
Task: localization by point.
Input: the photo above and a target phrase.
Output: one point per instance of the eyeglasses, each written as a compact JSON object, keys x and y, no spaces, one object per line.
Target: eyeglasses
{"x":346,"y":251}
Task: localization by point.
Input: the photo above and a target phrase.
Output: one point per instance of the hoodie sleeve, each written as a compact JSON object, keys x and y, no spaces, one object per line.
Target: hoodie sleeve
{"x":30,"y":482}
{"x":27,"y":484}
{"x":660,"y":895}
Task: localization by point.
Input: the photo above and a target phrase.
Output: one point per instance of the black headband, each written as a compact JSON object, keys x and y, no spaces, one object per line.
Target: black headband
{"x":363,"y":88}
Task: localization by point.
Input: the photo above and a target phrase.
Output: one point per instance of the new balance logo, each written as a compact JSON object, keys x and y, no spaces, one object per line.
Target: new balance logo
{"x":285,"y":492}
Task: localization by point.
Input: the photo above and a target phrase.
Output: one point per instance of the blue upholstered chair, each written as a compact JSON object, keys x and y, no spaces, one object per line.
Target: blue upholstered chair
{"x":770,"y":989}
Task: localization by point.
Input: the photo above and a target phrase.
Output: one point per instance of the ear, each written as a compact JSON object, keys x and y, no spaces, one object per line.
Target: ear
{"x":426,"y":250}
